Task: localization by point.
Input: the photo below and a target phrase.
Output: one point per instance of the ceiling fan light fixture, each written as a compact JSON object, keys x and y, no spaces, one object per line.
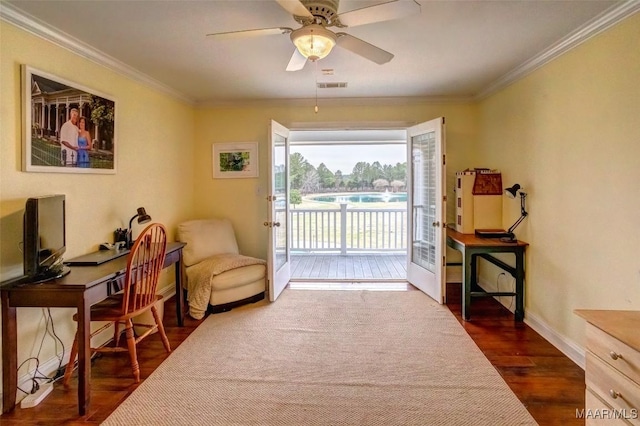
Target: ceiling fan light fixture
{"x":313,"y":41}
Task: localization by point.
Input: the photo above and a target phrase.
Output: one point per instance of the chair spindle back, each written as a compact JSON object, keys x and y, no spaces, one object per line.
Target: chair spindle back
{"x":144,"y":264}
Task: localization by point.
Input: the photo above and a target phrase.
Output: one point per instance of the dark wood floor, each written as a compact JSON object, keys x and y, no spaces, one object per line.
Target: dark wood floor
{"x":111,"y":381}
{"x":549,"y":384}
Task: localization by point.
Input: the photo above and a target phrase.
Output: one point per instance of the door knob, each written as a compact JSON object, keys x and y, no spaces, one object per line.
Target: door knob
{"x":436,"y":224}
{"x":276,"y":223}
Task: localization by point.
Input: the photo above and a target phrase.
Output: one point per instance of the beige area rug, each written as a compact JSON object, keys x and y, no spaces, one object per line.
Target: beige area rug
{"x":327,"y":358}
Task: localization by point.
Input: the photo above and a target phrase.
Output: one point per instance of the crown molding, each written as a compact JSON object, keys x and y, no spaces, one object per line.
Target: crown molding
{"x":333,"y":102}
{"x":607,"y":19}
{"x":32,"y":25}
{"x":348,"y":125}
{"x":604,"y":21}
{"x":20,"y":19}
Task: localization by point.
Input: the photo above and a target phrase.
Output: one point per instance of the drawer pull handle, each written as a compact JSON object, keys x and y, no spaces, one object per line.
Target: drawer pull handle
{"x":614,"y":394}
{"x":614,"y":355}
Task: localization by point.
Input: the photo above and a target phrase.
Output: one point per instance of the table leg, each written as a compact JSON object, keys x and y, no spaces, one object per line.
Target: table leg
{"x":474,"y":273}
{"x":519,"y":313}
{"x":180,"y":309}
{"x":467,"y":270}
{"x":9,"y":355}
{"x":84,"y":356}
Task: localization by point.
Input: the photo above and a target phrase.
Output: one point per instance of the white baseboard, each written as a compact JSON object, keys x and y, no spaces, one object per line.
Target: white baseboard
{"x":564,"y":345}
{"x":574,"y":352}
{"x":168,"y":291}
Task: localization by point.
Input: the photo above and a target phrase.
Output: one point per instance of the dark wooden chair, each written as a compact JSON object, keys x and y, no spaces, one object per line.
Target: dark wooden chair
{"x":145,"y":261}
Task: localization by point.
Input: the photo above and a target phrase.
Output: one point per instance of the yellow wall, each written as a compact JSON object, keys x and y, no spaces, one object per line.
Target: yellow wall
{"x":243,"y":200}
{"x":570,"y":134}
{"x":164,"y":163}
{"x":155,"y":168}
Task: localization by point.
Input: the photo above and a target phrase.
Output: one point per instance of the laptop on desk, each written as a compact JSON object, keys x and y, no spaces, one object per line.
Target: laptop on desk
{"x":96,"y":258}
{"x":493,"y":233}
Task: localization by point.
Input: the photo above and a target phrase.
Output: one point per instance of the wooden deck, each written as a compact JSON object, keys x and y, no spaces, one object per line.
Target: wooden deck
{"x":379,"y":266}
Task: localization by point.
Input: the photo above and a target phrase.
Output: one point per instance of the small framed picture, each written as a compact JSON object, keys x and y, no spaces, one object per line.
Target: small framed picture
{"x":68,"y":128}
{"x":235,"y":160}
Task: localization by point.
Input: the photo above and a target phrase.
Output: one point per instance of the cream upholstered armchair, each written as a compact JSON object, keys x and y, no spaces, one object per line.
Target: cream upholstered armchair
{"x":218,"y":277}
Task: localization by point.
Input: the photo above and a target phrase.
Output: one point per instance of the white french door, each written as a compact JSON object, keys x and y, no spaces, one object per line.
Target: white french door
{"x":278,"y":221}
{"x":426,"y":207}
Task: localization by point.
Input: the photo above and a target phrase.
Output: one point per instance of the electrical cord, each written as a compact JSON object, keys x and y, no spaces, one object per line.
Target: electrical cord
{"x":34,"y":383}
{"x":57,"y":339}
{"x":37,"y":374}
{"x":52,"y":332}
{"x":498,"y":285}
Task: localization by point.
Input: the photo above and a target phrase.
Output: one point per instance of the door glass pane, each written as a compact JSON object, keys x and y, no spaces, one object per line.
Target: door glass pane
{"x":280,"y":203}
{"x":424,"y":200}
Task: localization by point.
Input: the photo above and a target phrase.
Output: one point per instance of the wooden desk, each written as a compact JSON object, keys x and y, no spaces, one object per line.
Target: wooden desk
{"x":83,"y":287}
{"x":472,"y":247}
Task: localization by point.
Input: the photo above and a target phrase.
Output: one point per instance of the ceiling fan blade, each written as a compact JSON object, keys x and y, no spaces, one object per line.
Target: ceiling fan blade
{"x":364,"y":49}
{"x":294,"y":7}
{"x":380,"y":12}
{"x":297,"y":61}
{"x":251,"y":33}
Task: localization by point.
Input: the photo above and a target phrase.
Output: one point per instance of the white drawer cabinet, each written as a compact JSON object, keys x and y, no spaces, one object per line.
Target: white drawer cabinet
{"x":612,"y":371}
{"x":597,"y":409}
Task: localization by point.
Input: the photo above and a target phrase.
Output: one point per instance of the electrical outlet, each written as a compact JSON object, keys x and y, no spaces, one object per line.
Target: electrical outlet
{"x":36,"y":398}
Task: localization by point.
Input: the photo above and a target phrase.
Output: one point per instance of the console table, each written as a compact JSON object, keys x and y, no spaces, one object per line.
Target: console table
{"x":473,"y":247}
{"x":83,"y":287}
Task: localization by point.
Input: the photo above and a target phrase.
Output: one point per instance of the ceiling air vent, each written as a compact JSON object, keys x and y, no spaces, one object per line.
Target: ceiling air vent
{"x":337,"y":85}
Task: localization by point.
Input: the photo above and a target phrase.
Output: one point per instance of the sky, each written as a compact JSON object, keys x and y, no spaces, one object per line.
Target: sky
{"x":344,"y":157}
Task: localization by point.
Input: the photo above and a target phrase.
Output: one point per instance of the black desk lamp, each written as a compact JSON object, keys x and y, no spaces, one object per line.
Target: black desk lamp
{"x":143,"y":217}
{"x":511,"y":193}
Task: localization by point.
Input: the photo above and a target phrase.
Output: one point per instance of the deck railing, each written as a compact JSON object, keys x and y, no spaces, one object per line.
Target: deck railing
{"x":348,"y":230}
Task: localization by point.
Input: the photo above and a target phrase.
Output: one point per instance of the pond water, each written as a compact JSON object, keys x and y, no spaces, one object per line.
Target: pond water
{"x":362,"y":197}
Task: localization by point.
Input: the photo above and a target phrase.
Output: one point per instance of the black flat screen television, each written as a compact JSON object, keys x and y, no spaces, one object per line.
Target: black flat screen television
{"x":44,"y":238}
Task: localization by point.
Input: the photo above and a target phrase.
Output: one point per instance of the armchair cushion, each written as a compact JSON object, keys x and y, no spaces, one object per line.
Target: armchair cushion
{"x":206,"y":238}
{"x":225,"y":274}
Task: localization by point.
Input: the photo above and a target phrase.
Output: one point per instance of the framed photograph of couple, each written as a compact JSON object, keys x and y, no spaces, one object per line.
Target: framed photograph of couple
{"x":68,"y":128}
{"x":235,"y":160}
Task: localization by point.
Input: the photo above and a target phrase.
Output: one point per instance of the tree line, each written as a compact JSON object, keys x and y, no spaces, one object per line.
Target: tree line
{"x":307,"y":178}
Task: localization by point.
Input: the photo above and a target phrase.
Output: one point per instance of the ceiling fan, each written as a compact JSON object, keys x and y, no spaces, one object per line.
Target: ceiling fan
{"x":314,"y":41}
